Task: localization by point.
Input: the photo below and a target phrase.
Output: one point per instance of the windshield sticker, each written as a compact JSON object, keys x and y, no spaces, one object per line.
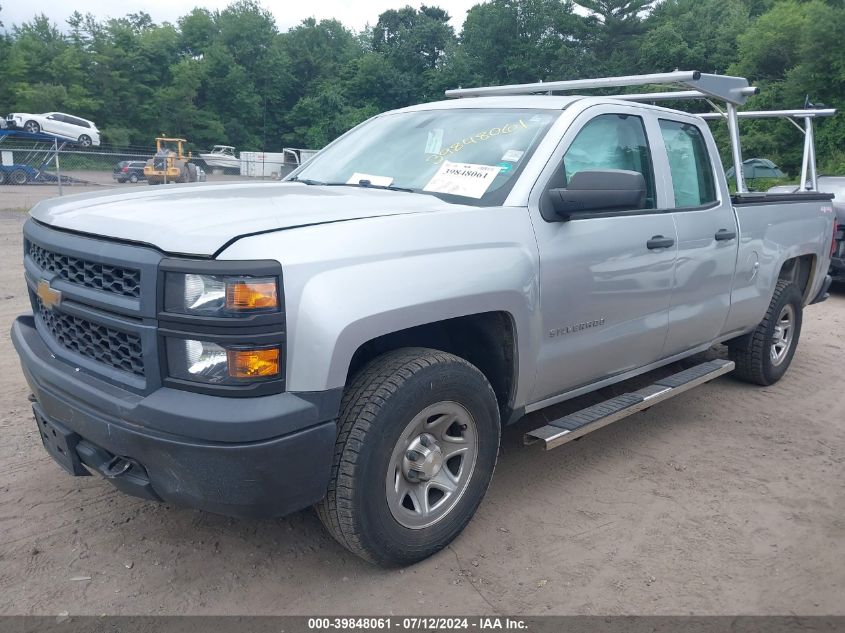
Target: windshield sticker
{"x":512,"y":155}
{"x":463,"y":179}
{"x":480,"y":137}
{"x":505,"y":167}
{"x":378,"y":181}
{"x":434,"y":141}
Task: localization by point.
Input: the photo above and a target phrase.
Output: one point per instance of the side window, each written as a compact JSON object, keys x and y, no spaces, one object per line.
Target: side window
{"x":613,"y":141}
{"x":689,"y":163}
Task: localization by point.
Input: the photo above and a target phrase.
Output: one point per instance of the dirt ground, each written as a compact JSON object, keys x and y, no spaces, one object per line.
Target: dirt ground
{"x":729,"y":499}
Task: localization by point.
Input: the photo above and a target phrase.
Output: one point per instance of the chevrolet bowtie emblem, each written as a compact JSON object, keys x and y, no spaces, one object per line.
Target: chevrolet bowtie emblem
{"x":49,"y":297}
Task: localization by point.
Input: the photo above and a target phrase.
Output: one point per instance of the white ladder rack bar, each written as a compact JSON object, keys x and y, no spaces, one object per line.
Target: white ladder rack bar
{"x":680,"y":95}
{"x":773,"y":114}
{"x":808,"y":162}
{"x":722,"y":87}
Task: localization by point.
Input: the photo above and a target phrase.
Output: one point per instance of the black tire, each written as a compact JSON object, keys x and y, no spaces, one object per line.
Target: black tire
{"x":377,"y":405}
{"x":32,"y":127}
{"x":133,"y":178}
{"x":85,"y":140}
{"x":2,"y":177}
{"x":18,"y":177}
{"x":752,"y":352}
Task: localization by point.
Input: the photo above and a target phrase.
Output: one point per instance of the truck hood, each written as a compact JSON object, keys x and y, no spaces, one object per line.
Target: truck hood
{"x":199,"y":219}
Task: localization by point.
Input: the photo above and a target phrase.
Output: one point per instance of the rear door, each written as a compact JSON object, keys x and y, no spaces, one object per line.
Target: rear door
{"x":604,"y":293}
{"x":707,"y":233}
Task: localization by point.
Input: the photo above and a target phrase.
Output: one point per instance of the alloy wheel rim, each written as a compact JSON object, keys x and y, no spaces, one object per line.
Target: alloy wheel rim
{"x":431,"y":465}
{"x":782,"y":335}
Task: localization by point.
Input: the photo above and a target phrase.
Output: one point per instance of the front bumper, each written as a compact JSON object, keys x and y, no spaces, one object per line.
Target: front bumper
{"x":262,"y":456}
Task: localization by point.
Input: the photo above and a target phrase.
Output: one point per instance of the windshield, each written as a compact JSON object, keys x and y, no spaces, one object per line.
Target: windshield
{"x":469,"y":156}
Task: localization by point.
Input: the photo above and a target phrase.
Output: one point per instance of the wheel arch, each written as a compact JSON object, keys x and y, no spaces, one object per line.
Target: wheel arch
{"x":488,"y":340}
{"x":800,"y":270}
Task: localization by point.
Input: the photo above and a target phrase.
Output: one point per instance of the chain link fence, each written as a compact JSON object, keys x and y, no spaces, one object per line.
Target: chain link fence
{"x":31,"y":171}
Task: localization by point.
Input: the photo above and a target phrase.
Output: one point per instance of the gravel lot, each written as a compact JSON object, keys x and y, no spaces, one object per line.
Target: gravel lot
{"x":729,"y":499}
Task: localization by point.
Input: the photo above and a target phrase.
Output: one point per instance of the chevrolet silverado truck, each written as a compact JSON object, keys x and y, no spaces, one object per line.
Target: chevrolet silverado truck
{"x":356,"y":337}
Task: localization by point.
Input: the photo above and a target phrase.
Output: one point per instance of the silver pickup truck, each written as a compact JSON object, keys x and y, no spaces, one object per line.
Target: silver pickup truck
{"x":355,"y":338}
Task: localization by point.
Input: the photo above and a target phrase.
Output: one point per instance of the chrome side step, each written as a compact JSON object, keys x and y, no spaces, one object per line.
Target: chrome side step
{"x":581,"y":422}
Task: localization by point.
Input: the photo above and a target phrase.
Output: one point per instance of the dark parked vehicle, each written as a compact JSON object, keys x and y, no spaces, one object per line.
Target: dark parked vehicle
{"x":129,"y":171}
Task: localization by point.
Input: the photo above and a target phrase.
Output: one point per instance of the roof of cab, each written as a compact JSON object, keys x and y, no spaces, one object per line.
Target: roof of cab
{"x":545,"y":102}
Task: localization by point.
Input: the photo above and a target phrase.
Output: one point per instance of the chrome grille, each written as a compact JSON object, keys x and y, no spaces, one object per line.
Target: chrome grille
{"x":117,"y":279}
{"x":117,"y":349}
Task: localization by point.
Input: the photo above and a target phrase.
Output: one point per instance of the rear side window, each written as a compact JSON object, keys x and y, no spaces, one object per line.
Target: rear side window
{"x":612,"y":141}
{"x":689,"y":163}
{"x":75,"y":121}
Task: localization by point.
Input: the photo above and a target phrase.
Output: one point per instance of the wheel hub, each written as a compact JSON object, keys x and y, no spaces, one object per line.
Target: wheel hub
{"x":423,"y":459}
{"x":431,"y":465}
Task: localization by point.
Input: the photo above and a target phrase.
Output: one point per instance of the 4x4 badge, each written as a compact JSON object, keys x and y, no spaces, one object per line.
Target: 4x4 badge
{"x":49,"y":297}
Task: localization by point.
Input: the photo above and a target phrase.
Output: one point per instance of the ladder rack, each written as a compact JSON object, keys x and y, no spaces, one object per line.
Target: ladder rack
{"x":732,"y":91}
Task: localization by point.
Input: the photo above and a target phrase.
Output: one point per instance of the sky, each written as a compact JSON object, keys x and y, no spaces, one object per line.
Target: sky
{"x":355,"y":14}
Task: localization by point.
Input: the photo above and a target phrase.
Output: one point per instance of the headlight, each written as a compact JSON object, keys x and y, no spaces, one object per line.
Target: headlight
{"x":220,"y":295}
{"x":207,"y":362}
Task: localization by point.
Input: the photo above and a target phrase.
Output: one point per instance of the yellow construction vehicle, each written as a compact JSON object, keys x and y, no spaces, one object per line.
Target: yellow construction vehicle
{"x":170,"y":163}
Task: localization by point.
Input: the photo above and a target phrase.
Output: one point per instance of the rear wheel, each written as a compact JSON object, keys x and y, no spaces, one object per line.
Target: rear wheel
{"x":85,"y":140}
{"x":763,"y":356}
{"x":32,"y":127}
{"x":417,"y":443}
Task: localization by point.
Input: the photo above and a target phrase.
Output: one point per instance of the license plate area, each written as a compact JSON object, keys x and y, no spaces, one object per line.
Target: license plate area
{"x":60,"y":442}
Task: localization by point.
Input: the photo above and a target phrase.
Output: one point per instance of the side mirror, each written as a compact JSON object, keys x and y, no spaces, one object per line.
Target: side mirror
{"x":599,"y":191}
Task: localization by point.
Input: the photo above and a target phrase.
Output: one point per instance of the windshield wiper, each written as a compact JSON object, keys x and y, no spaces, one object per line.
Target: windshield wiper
{"x":307,"y":181}
{"x":364,"y":184}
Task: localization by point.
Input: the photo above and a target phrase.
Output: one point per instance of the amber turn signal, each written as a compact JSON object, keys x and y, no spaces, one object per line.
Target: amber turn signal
{"x":252,"y":295}
{"x":254,"y":363}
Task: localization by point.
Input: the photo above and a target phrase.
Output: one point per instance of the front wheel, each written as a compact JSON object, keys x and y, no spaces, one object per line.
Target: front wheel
{"x":763,"y":356}
{"x":32,"y":127}
{"x":133,"y":178}
{"x":18,"y":177}
{"x":418,"y":437}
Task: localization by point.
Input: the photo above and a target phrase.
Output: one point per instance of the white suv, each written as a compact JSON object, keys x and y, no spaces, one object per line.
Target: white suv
{"x":59,"y":124}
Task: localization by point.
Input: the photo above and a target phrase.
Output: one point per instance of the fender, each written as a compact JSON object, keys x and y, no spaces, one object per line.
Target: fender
{"x":770,"y":235}
{"x":350,"y":282}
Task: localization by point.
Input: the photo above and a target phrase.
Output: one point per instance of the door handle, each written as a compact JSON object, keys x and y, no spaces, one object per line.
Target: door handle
{"x":723,"y":235}
{"x":658,"y":241}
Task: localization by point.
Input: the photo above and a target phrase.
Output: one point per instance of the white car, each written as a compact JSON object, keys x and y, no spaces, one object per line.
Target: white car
{"x":58,"y":124}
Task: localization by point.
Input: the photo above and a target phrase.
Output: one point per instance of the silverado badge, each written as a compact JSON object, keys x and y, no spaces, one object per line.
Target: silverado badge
{"x":49,"y":297}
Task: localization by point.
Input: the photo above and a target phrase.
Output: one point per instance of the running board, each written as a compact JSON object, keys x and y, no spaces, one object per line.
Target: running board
{"x":577,"y":424}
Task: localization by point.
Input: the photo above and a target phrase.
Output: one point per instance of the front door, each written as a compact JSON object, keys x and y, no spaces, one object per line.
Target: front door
{"x":605,"y":282}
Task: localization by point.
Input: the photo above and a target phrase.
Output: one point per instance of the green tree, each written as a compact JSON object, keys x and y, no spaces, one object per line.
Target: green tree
{"x":615,"y":27}
{"x":693,"y":34}
{"x":519,"y":41}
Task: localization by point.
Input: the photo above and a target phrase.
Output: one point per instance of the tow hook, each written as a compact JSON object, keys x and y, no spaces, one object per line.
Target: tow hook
{"x":116,"y":467}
